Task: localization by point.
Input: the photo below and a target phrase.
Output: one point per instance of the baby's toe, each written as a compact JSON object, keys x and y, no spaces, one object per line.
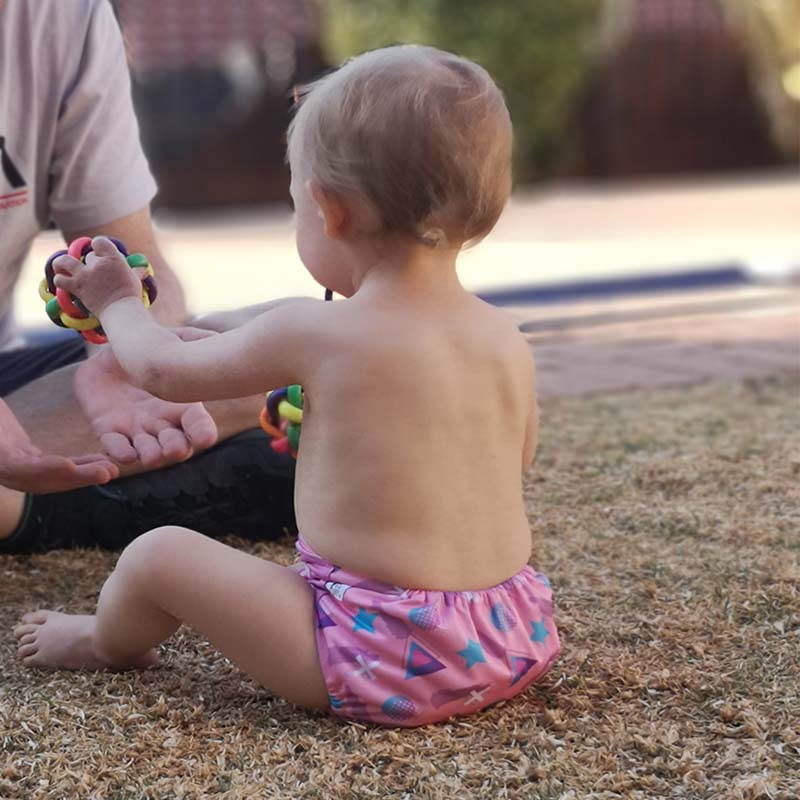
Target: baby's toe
{"x":35,"y":617}
{"x":27,"y":650}
{"x":24,"y":630}
{"x":27,"y":638}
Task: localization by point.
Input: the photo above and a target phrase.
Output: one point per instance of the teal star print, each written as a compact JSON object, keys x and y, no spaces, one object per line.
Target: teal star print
{"x":539,"y":632}
{"x":472,"y":654}
{"x":364,"y":621}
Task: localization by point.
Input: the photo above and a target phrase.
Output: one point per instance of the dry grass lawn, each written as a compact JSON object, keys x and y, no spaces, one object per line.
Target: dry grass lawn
{"x":669,"y":523}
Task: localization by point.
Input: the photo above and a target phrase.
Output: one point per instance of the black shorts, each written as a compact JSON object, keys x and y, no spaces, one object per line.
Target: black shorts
{"x":44,"y":354}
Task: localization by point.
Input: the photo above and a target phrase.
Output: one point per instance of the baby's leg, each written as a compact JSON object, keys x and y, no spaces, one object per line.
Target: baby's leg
{"x":258,"y":613}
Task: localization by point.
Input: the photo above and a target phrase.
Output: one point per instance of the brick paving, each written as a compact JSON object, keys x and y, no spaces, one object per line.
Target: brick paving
{"x":670,"y":340}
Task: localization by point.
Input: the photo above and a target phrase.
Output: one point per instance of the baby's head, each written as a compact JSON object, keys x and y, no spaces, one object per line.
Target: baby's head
{"x":422,"y":138}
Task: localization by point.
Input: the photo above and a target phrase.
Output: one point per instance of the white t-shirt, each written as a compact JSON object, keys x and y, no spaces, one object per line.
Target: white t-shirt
{"x":68,"y":134}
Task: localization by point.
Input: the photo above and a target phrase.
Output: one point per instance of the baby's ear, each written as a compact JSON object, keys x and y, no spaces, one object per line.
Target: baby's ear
{"x":332,"y":209}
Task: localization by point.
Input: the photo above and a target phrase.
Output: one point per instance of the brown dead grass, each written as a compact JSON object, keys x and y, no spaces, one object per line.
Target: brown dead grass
{"x":671,"y":530}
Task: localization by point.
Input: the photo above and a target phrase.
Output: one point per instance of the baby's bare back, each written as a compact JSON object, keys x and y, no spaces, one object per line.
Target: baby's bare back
{"x":413,"y":436}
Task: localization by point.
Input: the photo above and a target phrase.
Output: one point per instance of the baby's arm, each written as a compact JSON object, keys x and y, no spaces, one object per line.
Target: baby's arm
{"x":271,"y":350}
{"x":268,"y":351}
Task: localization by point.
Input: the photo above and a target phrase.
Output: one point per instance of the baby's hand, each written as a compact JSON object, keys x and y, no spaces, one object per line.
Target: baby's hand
{"x":102,"y":280}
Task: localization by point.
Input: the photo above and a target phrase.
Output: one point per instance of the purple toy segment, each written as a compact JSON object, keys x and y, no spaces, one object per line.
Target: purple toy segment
{"x":150,"y":287}
{"x":273,"y":401}
{"x":121,"y":247}
{"x":49,"y":272}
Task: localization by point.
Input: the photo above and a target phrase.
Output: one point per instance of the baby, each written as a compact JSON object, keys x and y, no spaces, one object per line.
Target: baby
{"x":412,"y":600}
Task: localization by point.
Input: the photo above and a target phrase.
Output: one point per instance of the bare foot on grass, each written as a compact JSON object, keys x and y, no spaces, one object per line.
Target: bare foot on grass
{"x":65,"y":641}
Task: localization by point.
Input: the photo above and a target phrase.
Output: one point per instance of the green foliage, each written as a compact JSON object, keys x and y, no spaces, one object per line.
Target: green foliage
{"x":537,"y":51}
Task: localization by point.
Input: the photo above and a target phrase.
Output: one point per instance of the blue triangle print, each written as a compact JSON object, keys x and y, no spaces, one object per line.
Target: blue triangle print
{"x":520,"y":665}
{"x":420,"y":662}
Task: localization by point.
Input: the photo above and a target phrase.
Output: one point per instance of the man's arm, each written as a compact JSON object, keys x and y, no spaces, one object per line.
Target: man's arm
{"x":136,"y":232}
{"x":221,"y":321}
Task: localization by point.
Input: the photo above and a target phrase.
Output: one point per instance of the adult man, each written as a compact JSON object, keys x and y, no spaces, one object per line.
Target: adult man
{"x":71,"y":154}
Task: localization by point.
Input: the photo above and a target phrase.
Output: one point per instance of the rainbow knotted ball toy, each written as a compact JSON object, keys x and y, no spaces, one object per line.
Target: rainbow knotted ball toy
{"x":67,"y":311}
{"x":282,"y":417}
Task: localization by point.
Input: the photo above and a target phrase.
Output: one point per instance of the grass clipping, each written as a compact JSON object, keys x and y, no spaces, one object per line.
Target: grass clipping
{"x":668,"y":522}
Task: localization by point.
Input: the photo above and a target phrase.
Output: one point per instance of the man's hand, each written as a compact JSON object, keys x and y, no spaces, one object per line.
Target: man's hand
{"x":132,"y":424}
{"x":25,"y":468}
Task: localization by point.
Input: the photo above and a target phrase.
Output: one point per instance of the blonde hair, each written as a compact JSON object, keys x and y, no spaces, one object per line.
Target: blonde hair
{"x":422,"y":134}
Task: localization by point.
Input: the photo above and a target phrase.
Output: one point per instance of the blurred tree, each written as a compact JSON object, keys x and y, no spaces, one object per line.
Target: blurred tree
{"x":538,"y":52}
{"x":770,"y":30}
{"x":672,"y":94}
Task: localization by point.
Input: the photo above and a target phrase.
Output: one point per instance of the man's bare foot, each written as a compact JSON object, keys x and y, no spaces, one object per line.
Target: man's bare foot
{"x":65,"y":641}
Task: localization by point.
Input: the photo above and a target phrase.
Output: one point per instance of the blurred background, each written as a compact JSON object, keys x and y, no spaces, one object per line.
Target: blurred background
{"x":654,"y":138}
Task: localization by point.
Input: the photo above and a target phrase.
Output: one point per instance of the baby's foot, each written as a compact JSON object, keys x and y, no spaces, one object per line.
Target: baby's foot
{"x":64,"y":641}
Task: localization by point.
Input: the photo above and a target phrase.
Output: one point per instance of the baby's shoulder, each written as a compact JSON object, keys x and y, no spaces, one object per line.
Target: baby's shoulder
{"x":497,"y":326}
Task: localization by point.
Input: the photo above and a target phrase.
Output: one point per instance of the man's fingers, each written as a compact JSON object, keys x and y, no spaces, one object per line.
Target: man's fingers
{"x":119,"y":448}
{"x":199,"y":427}
{"x":59,"y":474}
{"x":92,"y":474}
{"x":92,"y":458}
{"x":174,"y":445}
{"x":149,"y":450}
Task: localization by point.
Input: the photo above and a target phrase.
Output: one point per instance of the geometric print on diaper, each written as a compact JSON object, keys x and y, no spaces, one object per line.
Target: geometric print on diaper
{"x":420,"y":659}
